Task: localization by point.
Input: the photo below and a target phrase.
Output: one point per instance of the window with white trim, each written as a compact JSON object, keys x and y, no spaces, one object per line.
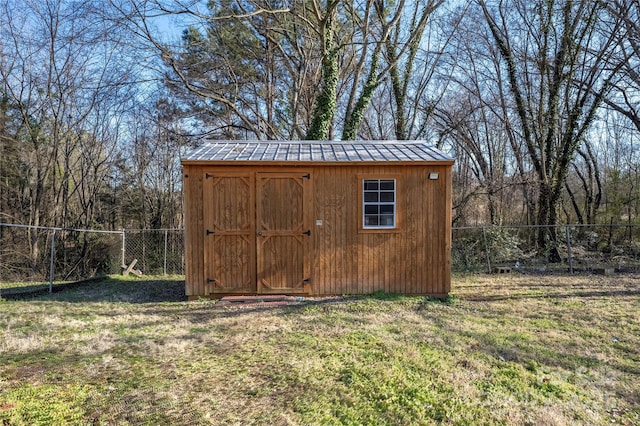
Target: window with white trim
{"x":378,"y":203}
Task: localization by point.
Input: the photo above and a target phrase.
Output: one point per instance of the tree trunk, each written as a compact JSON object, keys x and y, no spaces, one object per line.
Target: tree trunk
{"x":547,"y":241}
{"x":325,"y":106}
{"x":355,"y":117}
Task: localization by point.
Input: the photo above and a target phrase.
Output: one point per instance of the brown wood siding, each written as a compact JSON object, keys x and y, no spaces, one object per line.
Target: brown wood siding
{"x":413,"y":259}
{"x":194,"y":243}
{"x":284,"y":231}
{"x":229,"y":232}
{"x":342,"y":257}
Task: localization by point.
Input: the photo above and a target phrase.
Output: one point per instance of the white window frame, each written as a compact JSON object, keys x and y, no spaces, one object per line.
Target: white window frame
{"x":379,"y":203}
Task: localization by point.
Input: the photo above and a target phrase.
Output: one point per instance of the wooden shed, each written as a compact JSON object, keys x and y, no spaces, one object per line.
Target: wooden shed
{"x":317,"y":218}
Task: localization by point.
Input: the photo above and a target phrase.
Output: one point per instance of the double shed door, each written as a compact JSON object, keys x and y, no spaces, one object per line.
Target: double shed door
{"x":257,"y":232}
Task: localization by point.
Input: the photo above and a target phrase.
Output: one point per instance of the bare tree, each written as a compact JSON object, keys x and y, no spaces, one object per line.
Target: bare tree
{"x":624,"y":99}
{"x":586,"y":176}
{"x":474,"y":121}
{"x":417,"y":64}
{"x":151,"y":179}
{"x":619,"y":159}
{"x":63,"y":81}
{"x":381,"y":39}
{"x":557,"y":61}
{"x":250,"y":69}
{"x":232,"y":67}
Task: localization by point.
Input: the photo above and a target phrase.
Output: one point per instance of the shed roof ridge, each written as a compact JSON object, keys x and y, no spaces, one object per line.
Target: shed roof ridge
{"x":317,"y":151}
{"x":310,"y":142}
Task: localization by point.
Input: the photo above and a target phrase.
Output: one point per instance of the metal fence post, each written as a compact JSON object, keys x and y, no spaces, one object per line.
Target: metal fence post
{"x":123,"y":248}
{"x":51,"y":262}
{"x":569,"y":256}
{"x":486,"y":248}
{"x":166,"y":235}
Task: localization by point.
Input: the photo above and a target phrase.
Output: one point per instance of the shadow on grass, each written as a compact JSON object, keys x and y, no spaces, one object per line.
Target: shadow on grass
{"x":104,"y":289}
{"x":160,"y":290}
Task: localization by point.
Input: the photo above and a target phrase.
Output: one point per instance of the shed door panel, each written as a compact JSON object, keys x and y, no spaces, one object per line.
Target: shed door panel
{"x":229,"y":201}
{"x":283,"y":232}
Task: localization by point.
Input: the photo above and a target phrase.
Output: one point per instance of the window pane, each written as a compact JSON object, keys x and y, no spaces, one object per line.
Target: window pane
{"x":387,"y":185}
{"x":386,"y":209}
{"x":371,"y":185}
{"x":386,"y":220}
{"x":371,"y":209}
{"x":371,"y":220}
{"x":387,"y":197}
{"x":378,"y":203}
{"x":370,"y":197}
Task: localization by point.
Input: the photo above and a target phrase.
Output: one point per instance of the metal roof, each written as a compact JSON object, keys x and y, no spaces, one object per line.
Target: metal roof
{"x":316,"y":151}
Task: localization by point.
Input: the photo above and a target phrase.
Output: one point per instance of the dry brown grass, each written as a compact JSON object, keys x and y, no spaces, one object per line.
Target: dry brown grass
{"x":509,"y":349}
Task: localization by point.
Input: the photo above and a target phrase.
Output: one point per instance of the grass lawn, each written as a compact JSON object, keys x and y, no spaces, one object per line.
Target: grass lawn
{"x":508,"y":349}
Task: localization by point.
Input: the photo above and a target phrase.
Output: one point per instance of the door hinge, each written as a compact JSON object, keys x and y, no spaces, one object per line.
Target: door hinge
{"x":307,"y":281}
{"x":307,"y":232}
{"x":210,"y":232}
{"x":210,"y":281}
{"x":208,"y":175}
{"x":307,"y":176}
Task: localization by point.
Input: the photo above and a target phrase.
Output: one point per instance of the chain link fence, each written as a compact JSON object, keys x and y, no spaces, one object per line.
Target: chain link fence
{"x":566,"y":248}
{"x":39,"y":254}
{"x":31,"y":255}
{"x":158,"y":251}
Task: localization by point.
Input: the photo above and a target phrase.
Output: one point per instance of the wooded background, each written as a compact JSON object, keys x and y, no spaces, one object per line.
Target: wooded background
{"x":538,"y":101}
